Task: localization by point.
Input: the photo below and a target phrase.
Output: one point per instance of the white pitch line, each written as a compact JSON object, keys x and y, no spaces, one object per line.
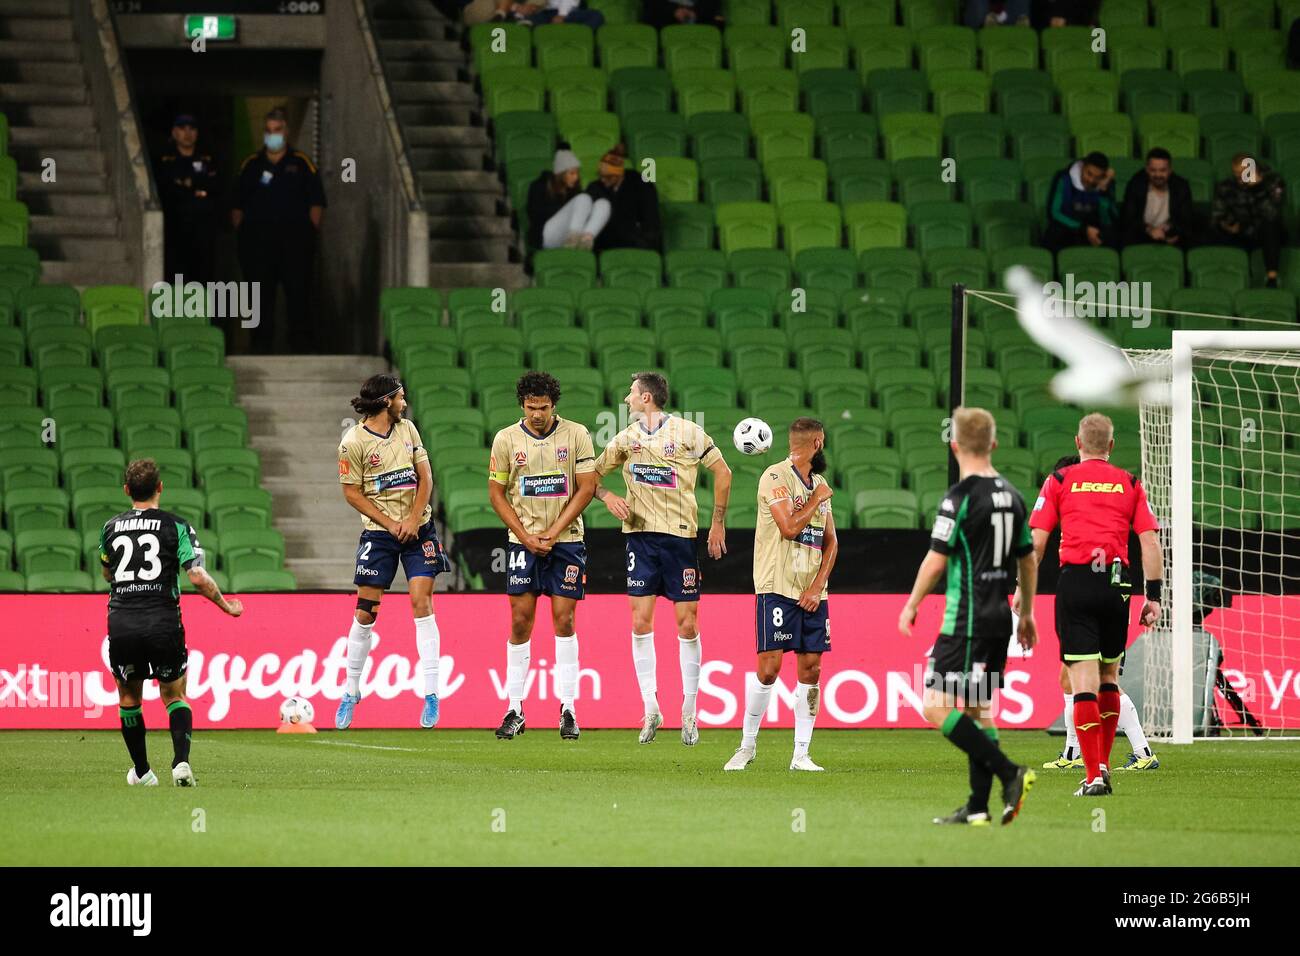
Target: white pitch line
{"x":344,"y":743}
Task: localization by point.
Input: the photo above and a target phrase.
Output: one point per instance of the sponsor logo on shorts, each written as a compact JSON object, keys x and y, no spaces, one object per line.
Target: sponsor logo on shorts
{"x":562,"y":453}
{"x":430,"y":550}
{"x":524,"y":579}
{"x":688,"y":577}
{"x":782,"y":636}
{"x":366,"y":572}
{"x":633,"y":583}
{"x":571,"y":574}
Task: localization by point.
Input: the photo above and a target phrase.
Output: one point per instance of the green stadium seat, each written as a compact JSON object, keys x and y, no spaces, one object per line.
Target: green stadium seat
{"x":767,"y":91}
{"x":1177,"y":132}
{"x":59,"y":582}
{"x":638,"y":269}
{"x":835,"y":390}
{"x":92,"y":507}
{"x":617,"y":11}
{"x":834,"y":269}
{"x":846,"y":136}
{"x":576,"y":89}
{"x":765,"y":269}
{"x":175,"y":465}
{"x":1160,"y":265}
{"x":876,"y":225}
{"x":832,"y":351}
{"x":1020,"y":91}
{"x":660,"y":135}
{"x":122,"y":346}
{"x":1275,"y":305}
{"x":1151,"y":91}
{"x":92,"y":467}
{"x":924,"y":13}
{"x":898,"y":91}
{"x":718,"y":135}
{"x":877,"y":309}
{"x":535,"y":308}
{"x":627,"y":45}
{"x":758,"y":356}
{"x":13,"y":348}
{"x":215,"y":427}
{"x":940,"y":225}
{"x":188,"y":345}
{"x":810,"y":225}
{"x":824,"y":47}
{"x":1136,"y":48}
{"x":961,"y":91}
{"x":511,"y":89}
{"x":53,"y":346}
{"x":691,"y":46}
{"x":1088,"y":91}
{"x":1214,"y":91}
{"x":66,"y":386}
{"x":745,"y":225}
{"x":972,"y":137}
{"x":14,"y":222}
{"x":43,"y":305}
{"x":945,"y":47}
{"x":573,"y":269}
{"x":780,"y":136}
{"x":1039,"y":135}
{"x":252,"y":549}
{"x":756,"y":46}
{"x":899,"y":388}
{"x":239,"y":509}
{"x":556,"y":347}
{"x":702,"y":90}
{"x":495,"y":45}
{"x":20,"y":267}
{"x":687,"y":225}
{"x":990,"y":180}
{"x":886,"y":47}
{"x":808,"y":312}
{"x":221,"y":468}
{"x":740,"y":308}
{"x":1283,"y":132}
{"x":861,"y":180}
{"x":890,"y":268}
{"x":640,"y":89}
{"x":23,"y":427}
{"x":828,"y":92}
{"x":880,"y":508}
{"x":1218,"y":267}
{"x":195,"y":387}
{"x":804,"y":14}
{"x":685,"y":304}
{"x":1109,"y":133}
{"x":607,"y":308}
{"x":519,"y":135}
{"x":968,"y":266}
{"x":1257,"y":52}
{"x":1089,"y":264}
{"x":731,"y":180}
{"x":18,"y":383}
{"x":252,"y":582}
{"x":1197,"y":48}
{"x":1002,"y":50}
{"x":1226,"y":134}
{"x":142,"y":427}
{"x":559,"y":46}
{"x":35,"y":509}
{"x":705,"y":270}
{"x":1068,"y":48}
{"x":34,"y":468}
{"x":84,"y":427}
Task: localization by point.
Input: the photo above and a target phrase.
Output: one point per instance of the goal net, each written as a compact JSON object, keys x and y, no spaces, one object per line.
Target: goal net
{"x":1219,"y":455}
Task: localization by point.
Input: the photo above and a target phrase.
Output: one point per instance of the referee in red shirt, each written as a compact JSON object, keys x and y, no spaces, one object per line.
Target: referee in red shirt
{"x":1096,"y":503}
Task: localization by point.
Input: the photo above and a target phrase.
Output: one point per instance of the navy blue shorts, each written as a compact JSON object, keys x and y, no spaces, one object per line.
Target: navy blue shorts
{"x":378,"y":552}
{"x":562,"y":573}
{"x":780,"y":624}
{"x":664,"y":564}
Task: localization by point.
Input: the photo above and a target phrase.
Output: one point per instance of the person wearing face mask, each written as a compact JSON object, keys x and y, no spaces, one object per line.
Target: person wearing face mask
{"x":1158,"y":204}
{"x":634,"y":205}
{"x":277,"y":212}
{"x":559,"y":212}
{"x":190,"y":192}
{"x":1081,"y":205}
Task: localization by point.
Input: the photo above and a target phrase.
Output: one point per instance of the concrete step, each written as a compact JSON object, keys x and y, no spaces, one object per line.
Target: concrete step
{"x":102,"y":226}
{"x":292,"y":405}
{"x":422,"y":49}
{"x":83,"y":274}
{"x":308,"y":368}
{"x":47,"y":51}
{"x":73,"y":249}
{"x":470,"y":159}
{"x":464,"y":204}
{"x":65,"y":181}
{"x":299,"y":500}
{"x":66,"y":160}
{"x":68,"y":205}
{"x":439,"y":114}
{"x":26,"y":27}
{"x":438,"y":71}
{"x":58,"y":72}
{"x":447,"y":251}
{"x":49,"y":116}
{"x":456,"y":137}
{"x":469,"y":227}
{"x":317,"y":545}
{"x":35,"y":8}
{"x":41,"y":93}
{"x":455,"y":275}
{"x":421,"y":29}
{"x":330,"y":392}
{"x":323,"y":430}
{"x":422,"y":92}
{"x":459,"y":180}
{"x":44,"y":137}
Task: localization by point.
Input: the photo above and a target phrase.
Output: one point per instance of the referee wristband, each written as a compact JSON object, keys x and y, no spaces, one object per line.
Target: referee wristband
{"x":1153,"y":589}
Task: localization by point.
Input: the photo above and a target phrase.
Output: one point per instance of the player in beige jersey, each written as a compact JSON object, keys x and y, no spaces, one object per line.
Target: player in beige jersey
{"x":541,"y":474}
{"x":661,"y":456}
{"x":385,"y":474}
{"x":794,"y":551}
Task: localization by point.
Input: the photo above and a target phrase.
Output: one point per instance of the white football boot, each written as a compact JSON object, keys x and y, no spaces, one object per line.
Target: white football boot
{"x":804,"y":763}
{"x":690,"y":732}
{"x":150,"y":779}
{"x":741,"y":759}
{"x":183,"y":776}
{"x":649,"y":725}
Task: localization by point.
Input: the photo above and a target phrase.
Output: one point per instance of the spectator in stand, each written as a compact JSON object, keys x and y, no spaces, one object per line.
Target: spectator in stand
{"x":997,"y":13}
{"x":667,"y":13}
{"x":634,"y":205}
{"x":1064,"y":13}
{"x":1158,"y":204}
{"x":1247,"y":212}
{"x":552,"y":11}
{"x":1081,"y":205}
{"x":559,"y":212}
{"x":190,"y":190}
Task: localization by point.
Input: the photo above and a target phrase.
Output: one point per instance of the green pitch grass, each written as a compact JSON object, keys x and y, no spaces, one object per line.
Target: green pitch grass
{"x":463,"y":797}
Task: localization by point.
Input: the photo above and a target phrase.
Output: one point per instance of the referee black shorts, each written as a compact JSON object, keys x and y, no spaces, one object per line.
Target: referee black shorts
{"x":1091,"y":615}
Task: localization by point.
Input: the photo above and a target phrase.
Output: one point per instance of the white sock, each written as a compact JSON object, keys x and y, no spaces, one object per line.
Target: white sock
{"x":358,"y":651}
{"x":755,"y":707}
{"x":517,"y":658}
{"x":806,"y":700}
{"x":429,"y":643}
{"x":566,"y":665}
{"x":643,"y":658}
{"x":1071,"y":737}
{"x":689,"y":653}
{"x":1130,"y":725}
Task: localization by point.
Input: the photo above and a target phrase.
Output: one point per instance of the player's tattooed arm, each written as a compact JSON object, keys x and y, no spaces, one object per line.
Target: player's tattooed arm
{"x":204,"y":584}
{"x":721,"y":497}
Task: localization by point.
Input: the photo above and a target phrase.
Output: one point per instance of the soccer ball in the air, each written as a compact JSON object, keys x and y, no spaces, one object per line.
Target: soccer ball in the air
{"x":753,"y":436}
{"x":297,"y":710}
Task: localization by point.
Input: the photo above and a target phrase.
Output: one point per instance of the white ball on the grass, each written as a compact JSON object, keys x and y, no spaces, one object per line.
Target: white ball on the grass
{"x":297,"y":710}
{"x":753,"y":436}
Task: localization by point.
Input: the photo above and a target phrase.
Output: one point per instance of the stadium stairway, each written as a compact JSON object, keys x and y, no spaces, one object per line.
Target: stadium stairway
{"x":297,"y":409}
{"x":471,"y":242}
{"x":74,"y":222}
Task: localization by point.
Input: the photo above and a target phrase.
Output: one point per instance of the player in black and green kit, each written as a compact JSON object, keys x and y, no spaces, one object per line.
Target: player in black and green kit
{"x":143,"y":552}
{"x":980,"y":538}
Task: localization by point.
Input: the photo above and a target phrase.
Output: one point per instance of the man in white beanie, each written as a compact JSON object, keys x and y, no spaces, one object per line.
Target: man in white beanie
{"x":559,"y":212}
{"x":552,"y":11}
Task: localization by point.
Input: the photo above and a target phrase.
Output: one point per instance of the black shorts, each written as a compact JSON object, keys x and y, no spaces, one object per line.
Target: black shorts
{"x":1091,"y":615}
{"x":969,"y":669}
{"x":144,"y":650}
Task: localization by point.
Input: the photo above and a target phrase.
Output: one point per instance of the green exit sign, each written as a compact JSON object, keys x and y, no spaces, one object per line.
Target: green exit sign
{"x":210,"y":26}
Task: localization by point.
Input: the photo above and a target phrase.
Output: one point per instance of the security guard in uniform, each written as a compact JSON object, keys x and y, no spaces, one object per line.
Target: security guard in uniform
{"x":190,"y":191}
{"x":276,"y":211}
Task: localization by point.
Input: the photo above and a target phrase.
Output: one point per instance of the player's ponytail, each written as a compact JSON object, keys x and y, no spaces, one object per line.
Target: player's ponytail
{"x":374,"y":394}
